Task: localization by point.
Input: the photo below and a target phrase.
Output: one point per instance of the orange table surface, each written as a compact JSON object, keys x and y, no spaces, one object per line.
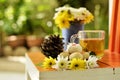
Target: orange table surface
{"x":109,"y":60}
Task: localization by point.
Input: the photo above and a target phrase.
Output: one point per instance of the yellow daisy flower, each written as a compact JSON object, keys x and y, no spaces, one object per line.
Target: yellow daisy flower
{"x":63,"y":18}
{"x":62,"y":22}
{"x":48,"y":62}
{"x":89,"y":18}
{"x":77,"y":64}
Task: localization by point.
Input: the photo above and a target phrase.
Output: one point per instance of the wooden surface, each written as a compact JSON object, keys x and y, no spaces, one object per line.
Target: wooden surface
{"x":110,"y":60}
{"x":37,"y":58}
{"x":109,"y":69}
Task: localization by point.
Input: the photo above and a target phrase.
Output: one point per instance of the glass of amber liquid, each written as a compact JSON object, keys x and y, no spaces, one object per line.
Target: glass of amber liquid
{"x":91,"y":40}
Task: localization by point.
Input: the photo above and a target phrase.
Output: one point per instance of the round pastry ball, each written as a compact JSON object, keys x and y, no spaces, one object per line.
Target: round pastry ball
{"x":76,"y":55}
{"x":74,"y":48}
{"x":86,"y":55}
{"x":64,"y":54}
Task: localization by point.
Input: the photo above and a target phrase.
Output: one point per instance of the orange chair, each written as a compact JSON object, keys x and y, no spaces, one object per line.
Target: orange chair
{"x":114,"y":40}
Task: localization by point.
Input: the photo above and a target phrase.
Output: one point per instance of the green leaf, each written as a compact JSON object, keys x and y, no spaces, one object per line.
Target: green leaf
{"x":39,"y":64}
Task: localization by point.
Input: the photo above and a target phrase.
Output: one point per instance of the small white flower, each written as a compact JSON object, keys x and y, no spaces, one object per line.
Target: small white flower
{"x":92,"y":62}
{"x":61,"y":63}
{"x":64,"y":8}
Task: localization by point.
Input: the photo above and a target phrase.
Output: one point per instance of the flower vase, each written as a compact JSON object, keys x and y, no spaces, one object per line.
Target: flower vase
{"x":73,"y":29}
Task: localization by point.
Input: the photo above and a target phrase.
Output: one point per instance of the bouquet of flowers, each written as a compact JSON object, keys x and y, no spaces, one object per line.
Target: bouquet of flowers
{"x":65,"y":15}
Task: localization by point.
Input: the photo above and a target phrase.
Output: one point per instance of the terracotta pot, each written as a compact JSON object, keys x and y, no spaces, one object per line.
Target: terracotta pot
{"x":1,"y":52}
{"x":34,"y":41}
{"x":15,"y":41}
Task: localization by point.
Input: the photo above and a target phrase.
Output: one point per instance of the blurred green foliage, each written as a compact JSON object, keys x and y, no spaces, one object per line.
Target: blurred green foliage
{"x":36,"y":16}
{"x":19,"y":17}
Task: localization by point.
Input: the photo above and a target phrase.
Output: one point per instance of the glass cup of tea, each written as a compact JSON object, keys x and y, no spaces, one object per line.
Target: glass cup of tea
{"x":91,"y":40}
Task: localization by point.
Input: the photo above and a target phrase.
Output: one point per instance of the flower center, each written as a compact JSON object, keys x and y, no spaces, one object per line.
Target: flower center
{"x":63,"y":21}
{"x":76,"y":65}
{"x":62,"y":64}
{"x":50,"y":63}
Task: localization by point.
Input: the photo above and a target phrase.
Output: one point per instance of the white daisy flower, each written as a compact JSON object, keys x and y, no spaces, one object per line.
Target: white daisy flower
{"x":61,"y":63}
{"x":92,"y":62}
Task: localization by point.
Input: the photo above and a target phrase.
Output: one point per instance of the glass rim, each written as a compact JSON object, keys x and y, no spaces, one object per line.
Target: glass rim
{"x":91,"y":31}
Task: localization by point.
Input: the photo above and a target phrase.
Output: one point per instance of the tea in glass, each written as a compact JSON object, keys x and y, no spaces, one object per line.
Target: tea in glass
{"x":95,"y":45}
{"x":92,"y":40}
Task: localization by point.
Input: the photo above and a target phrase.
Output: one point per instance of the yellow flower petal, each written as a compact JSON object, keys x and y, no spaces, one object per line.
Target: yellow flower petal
{"x":48,"y":62}
{"x":63,"y":19}
{"x":76,"y":64}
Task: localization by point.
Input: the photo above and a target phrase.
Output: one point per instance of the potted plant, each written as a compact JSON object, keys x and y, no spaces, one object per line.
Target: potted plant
{"x":14,"y":38}
{"x":34,"y":40}
{"x":71,"y":20}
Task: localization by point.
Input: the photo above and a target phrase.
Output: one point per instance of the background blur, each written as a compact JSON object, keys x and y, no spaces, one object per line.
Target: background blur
{"x":25,"y":23}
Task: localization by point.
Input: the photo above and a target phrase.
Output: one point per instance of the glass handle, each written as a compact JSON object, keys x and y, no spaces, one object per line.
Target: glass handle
{"x":73,"y":37}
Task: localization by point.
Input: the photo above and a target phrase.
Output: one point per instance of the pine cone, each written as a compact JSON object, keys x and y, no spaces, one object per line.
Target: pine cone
{"x":52,"y":46}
